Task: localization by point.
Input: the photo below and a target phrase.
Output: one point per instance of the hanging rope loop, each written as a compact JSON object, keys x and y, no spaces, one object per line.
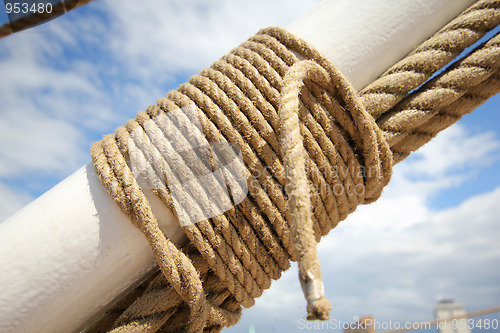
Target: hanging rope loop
{"x":344,"y":107}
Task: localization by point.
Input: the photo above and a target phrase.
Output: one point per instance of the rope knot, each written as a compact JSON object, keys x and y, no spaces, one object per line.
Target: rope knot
{"x":361,"y":156}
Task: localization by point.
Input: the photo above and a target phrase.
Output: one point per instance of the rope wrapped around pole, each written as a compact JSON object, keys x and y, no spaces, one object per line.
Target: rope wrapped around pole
{"x":313,"y":150}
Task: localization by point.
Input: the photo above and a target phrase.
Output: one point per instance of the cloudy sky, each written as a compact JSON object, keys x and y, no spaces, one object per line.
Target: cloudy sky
{"x":432,"y":235}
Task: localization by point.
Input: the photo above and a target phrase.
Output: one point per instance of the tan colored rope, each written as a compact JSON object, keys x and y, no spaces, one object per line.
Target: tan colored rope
{"x":384,"y":93}
{"x":262,"y":88}
{"x":412,"y":123}
{"x":358,"y":124}
{"x":34,"y":19}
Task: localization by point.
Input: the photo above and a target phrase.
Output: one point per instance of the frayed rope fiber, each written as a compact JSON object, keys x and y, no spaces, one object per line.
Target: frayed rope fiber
{"x":303,"y":133}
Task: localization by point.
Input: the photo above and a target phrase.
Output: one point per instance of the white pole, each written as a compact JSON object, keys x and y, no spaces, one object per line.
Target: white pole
{"x":364,"y":38}
{"x":66,"y":256}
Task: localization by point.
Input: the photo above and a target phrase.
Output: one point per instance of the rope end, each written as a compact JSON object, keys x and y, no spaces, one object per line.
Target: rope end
{"x":319,"y":309}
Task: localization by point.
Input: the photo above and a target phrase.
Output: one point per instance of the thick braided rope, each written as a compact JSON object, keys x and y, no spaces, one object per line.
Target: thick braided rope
{"x":250,"y":49}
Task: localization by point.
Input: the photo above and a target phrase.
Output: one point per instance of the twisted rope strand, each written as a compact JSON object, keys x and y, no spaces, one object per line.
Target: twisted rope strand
{"x":408,"y":125}
{"x":384,"y":93}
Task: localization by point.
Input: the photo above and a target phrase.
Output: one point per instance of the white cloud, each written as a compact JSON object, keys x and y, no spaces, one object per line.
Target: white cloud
{"x":12,"y":200}
{"x":448,"y":252}
{"x":445,"y":155}
{"x":88,"y":73}
{"x":160,"y":38}
{"x":42,"y":109}
{"x":38,"y":143}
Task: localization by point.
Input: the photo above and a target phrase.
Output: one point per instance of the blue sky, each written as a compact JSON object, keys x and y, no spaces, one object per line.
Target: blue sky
{"x":434,"y":232}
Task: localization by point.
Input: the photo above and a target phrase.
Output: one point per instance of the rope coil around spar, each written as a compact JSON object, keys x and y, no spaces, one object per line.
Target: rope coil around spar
{"x":237,"y":100}
{"x":354,"y":140}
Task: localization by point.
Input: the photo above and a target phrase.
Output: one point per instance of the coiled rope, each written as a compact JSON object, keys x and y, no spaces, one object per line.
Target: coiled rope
{"x":303,"y":133}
